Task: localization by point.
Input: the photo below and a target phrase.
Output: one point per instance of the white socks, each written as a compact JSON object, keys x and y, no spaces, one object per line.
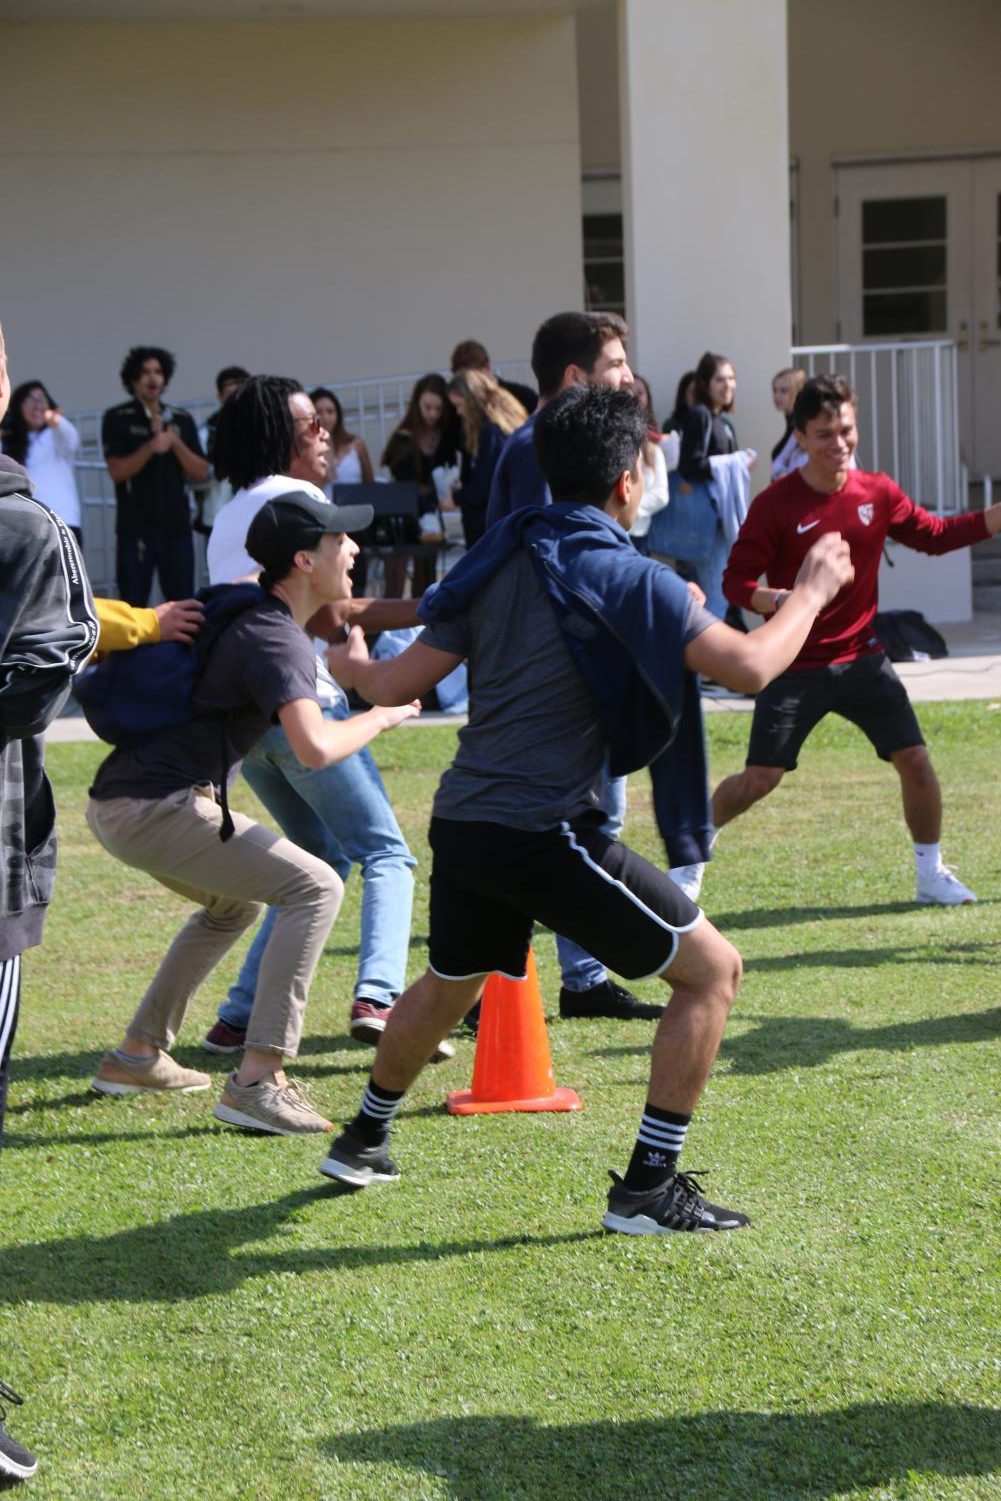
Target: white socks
{"x":927,"y":857}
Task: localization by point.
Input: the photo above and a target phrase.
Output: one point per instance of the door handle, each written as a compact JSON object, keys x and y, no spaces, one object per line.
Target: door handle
{"x":984,"y":342}
{"x":963,"y":337}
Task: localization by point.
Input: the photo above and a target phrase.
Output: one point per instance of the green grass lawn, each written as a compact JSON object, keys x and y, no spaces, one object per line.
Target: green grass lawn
{"x":196,"y":1313}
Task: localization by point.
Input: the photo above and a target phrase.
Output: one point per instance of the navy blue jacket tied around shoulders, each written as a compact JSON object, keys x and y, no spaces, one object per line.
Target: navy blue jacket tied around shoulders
{"x":623,"y":619}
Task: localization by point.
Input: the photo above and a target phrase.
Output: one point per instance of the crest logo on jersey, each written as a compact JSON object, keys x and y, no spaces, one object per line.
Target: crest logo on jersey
{"x":865,"y":514}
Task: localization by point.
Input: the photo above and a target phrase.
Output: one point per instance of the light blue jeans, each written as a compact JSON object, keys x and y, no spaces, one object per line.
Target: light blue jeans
{"x":342,"y":814}
{"x":580,"y":970}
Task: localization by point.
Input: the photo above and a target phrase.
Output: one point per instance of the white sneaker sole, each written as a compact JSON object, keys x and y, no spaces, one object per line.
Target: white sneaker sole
{"x":234,"y":1117}
{"x":642,"y":1224}
{"x":106,"y":1086}
{"x":11,"y":1467}
{"x":357,"y":1177}
{"x":219,"y":1047}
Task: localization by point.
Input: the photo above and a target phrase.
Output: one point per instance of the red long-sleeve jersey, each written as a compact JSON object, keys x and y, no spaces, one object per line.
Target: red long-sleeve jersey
{"x":786,"y":519}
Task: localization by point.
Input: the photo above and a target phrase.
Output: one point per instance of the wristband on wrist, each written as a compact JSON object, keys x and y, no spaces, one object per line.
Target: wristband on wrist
{"x":778,"y":598}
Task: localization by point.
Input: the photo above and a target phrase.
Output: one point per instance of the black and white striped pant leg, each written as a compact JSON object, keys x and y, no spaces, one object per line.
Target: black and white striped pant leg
{"x":10,"y":991}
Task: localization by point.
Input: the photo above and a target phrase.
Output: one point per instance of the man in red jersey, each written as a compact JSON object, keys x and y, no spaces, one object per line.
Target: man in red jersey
{"x":842,"y":667}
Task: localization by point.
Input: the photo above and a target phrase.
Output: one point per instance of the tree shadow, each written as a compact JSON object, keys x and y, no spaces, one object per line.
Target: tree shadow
{"x":873,"y":958}
{"x":711,"y":1456}
{"x":783,"y":917}
{"x":194,"y":1255}
{"x":781,"y":1042}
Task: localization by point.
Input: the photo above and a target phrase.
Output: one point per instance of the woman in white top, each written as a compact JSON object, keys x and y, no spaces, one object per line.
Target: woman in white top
{"x":37,"y":435}
{"x":350,"y":463}
{"x":655,"y":494}
{"x":787,"y":454}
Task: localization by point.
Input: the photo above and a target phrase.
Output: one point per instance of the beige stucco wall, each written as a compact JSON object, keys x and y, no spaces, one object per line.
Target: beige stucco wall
{"x":328,"y":199}
{"x":894,"y":76}
{"x":900,"y":75}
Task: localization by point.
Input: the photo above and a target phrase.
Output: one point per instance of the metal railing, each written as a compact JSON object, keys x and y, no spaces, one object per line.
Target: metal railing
{"x":908,"y":413}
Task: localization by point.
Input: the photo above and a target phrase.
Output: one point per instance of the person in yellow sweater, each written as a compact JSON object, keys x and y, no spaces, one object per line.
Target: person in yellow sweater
{"x":123,"y":626}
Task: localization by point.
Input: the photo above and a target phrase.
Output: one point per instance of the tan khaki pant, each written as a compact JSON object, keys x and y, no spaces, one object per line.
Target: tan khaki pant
{"x":176,"y":839}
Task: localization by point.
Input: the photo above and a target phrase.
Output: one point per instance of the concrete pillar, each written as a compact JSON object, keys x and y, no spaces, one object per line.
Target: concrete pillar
{"x":705,"y":188}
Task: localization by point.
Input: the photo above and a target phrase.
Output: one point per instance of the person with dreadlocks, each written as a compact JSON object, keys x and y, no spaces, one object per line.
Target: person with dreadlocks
{"x":153,"y":454}
{"x":269,"y":441}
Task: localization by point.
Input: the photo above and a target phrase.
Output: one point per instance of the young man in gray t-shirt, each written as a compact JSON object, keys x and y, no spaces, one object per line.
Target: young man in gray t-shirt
{"x":563,"y":626}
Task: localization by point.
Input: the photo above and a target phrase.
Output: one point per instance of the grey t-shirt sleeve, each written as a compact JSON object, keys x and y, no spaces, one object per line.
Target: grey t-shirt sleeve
{"x":697,"y":620}
{"x":275,"y":662}
{"x":448,"y":635}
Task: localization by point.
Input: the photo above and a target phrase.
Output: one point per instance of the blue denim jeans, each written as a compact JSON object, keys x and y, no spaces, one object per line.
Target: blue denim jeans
{"x":342,"y":814}
{"x":579,"y":969}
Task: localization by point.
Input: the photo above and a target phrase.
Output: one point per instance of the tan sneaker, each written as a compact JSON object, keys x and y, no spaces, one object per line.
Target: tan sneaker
{"x":116,"y":1076}
{"x":283,"y":1109}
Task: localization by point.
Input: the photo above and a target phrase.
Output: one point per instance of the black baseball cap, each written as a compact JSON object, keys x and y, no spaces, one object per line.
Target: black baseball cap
{"x":286,"y":525}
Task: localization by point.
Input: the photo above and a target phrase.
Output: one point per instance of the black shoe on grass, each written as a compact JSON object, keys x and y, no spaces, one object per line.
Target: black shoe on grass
{"x":676,"y":1206}
{"x":606,"y":999}
{"x":351,"y":1160}
{"x":15,"y":1461}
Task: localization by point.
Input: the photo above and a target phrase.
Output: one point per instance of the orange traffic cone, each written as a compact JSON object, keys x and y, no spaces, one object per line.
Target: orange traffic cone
{"x":513,"y":1068}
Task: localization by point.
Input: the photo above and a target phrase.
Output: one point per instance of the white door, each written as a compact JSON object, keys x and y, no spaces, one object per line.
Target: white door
{"x":985,"y":320}
{"x":919,"y":257}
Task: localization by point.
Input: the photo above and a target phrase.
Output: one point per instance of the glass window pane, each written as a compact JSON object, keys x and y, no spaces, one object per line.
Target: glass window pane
{"x":886,"y":220}
{"x":606,"y":284}
{"x":886,"y":313}
{"x":919,"y":266}
{"x":602,"y":235}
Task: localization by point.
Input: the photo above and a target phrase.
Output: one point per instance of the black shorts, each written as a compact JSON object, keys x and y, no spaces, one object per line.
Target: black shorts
{"x":867,"y":692}
{"x":489,"y":883}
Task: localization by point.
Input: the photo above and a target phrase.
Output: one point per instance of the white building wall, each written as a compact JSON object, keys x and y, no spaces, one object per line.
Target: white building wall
{"x":324,"y":199}
{"x":706,"y":229}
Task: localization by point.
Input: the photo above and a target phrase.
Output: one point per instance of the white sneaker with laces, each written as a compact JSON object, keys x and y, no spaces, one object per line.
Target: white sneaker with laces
{"x":689,"y":878}
{"x":943,"y":888}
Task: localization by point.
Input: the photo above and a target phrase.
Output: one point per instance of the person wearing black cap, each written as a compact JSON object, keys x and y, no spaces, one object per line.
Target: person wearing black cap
{"x":156,"y":805}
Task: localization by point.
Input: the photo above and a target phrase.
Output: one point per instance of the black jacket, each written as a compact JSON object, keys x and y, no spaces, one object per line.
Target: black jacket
{"x":48,"y":628}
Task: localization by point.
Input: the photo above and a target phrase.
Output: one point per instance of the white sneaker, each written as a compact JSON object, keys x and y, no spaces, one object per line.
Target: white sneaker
{"x":943,"y":888}
{"x":689,"y":878}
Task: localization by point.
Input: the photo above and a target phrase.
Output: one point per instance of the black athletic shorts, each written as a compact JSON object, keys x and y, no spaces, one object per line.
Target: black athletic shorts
{"x":490,"y":882}
{"x":867,"y":692}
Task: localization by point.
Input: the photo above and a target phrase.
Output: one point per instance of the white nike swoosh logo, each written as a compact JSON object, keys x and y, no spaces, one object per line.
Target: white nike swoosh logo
{"x":800,"y":528}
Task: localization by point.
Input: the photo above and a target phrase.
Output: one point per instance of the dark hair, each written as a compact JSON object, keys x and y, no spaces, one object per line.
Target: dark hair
{"x":824,"y":393}
{"x":677,"y":416}
{"x":585,"y":438}
{"x":340,"y":432}
{"x":572,"y":339}
{"x":413,"y":422}
{"x":470,"y":354}
{"x":15,"y":430}
{"x":255,"y":434}
{"x":230,"y":373}
{"x":653,"y":425}
{"x":132,"y":365}
{"x":704,"y":372}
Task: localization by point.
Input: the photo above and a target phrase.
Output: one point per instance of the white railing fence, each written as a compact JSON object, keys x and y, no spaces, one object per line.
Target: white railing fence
{"x":908,"y":426}
{"x":908,"y":412}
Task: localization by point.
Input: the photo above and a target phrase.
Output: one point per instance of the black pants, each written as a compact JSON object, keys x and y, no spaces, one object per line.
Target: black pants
{"x":171,"y":557}
{"x":10,"y":992}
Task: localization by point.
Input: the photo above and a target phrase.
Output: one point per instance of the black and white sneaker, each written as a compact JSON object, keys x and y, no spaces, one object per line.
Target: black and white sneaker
{"x":675,"y":1206}
{"x":15,"y":1460}
{"x":351,"y":1160}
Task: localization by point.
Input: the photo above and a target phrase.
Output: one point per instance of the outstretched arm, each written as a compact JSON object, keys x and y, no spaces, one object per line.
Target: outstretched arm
{"x":398,"y":680}
{"x":748,"y":663}
{"x":319,"y":742}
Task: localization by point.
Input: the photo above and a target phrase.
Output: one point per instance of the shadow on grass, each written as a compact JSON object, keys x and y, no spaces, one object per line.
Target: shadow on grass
{"x":195,"y":1255}
{"x":23,"y":1141}
{"x":783,"y":917}
{"x":782,"y":1042}
{"x":873,"y":958}
{"x":696,"y":1456}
